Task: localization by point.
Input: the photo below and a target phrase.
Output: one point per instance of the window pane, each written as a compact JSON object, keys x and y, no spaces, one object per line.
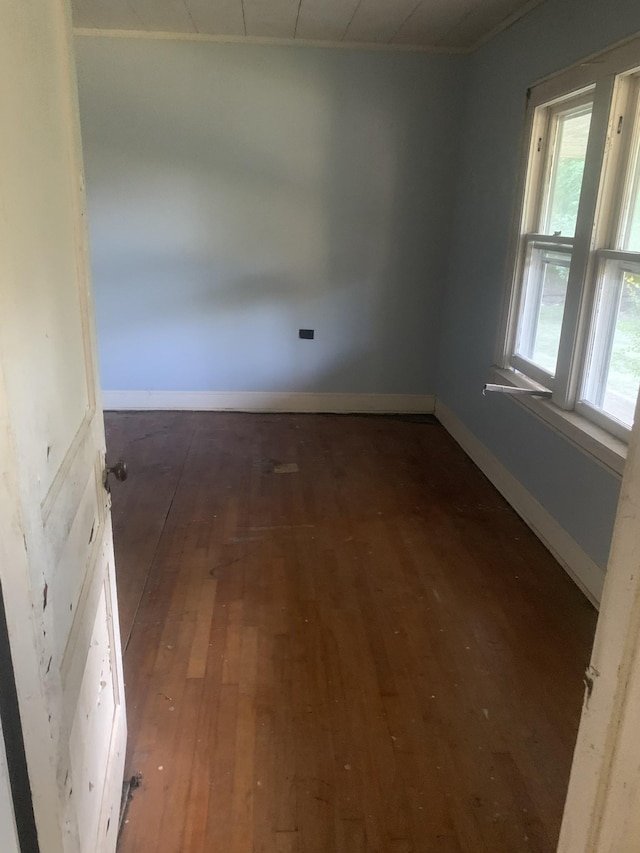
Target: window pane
{"x":543,"y":307}
{"x":614,"y":371}
{"x":631,"y":227}
{"x":566,"y":168}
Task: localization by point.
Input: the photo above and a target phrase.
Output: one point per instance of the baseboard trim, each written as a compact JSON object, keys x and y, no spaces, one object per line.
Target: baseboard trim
{"x":586,"y":573}
{"x":267,"y":401}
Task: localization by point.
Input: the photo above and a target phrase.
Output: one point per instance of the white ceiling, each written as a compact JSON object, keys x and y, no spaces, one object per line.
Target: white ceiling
{"x":428,"y":24}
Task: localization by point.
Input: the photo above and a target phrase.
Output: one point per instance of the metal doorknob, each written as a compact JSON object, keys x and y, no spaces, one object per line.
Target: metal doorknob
{"x":119,"y":471}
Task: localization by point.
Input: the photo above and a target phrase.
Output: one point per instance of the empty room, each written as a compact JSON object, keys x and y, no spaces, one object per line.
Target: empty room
{"x":319,"y":361}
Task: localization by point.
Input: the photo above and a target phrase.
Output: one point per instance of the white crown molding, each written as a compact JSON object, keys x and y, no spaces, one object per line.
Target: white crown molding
{"x":264,"y":41}
{"x":586,"y":573}
{"x":267,"y":401}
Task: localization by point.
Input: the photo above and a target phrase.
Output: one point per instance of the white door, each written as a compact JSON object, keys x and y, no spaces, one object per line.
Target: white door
{"x":602,"y":811}
{"x":56,"y":555}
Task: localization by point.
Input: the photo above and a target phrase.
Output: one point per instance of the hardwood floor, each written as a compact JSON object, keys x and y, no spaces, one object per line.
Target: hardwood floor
{"x":369,"y":653}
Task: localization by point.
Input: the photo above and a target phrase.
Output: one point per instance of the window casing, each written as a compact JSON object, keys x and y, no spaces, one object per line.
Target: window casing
{"x":572,"y":323}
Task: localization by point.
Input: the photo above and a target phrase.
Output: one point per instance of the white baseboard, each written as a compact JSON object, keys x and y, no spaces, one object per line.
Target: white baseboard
{"x":267,"y":401}
{"x":583,"y":570}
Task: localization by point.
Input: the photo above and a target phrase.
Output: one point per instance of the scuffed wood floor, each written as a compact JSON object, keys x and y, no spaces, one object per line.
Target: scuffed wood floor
{"x":372,"y":653}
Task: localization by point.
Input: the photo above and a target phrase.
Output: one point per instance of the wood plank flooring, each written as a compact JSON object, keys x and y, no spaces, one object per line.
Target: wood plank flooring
{"x":371,"y":653}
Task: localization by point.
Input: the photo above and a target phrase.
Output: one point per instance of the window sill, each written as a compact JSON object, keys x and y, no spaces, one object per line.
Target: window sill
{"x":606,"y":449}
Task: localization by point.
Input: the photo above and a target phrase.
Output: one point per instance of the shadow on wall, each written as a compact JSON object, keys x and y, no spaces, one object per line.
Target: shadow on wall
{"x":237,"y":194}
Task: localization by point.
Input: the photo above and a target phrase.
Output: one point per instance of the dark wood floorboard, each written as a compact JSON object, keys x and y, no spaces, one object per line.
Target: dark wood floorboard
{"x":371,"y":653}
{"x":155,"y":450}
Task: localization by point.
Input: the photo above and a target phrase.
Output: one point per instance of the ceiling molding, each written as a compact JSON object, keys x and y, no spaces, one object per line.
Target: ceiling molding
{"x":90,"y":32}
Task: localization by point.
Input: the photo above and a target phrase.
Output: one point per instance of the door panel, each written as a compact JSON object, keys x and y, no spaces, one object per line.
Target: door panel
{"x":73,"y":530}
{"x":56,"y":554}
{"x":42,"y":206}
{"x":94,"y":720}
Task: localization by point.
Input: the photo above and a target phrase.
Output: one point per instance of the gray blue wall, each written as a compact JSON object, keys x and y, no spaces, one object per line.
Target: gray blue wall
{"x":239,"y":193}
{"x":577,"y":491}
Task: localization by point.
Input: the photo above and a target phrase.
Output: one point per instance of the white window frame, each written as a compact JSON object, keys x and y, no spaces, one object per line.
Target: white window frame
{"x":612,"y":80}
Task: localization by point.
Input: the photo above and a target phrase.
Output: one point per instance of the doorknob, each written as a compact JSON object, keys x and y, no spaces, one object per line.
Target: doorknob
{"x":119,"y":471}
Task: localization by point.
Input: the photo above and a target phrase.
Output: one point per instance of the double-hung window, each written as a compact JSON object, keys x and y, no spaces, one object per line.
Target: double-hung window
{"x":572,"y":324}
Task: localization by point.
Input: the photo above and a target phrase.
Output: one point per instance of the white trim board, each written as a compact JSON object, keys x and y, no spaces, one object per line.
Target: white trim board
{"x":267,"y":401}
{"x":586,"y":573}
{"x":266,"y":41}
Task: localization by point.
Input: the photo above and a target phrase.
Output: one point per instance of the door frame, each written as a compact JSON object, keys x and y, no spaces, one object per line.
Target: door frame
{"x":602,"y":810}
